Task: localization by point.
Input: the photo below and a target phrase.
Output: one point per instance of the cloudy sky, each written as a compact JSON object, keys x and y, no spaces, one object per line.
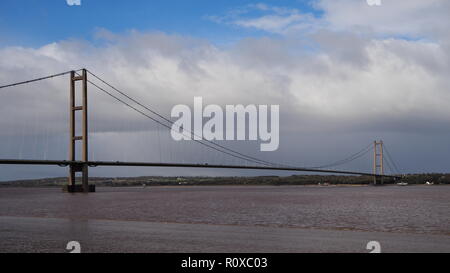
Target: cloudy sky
{"x":343,"y":72}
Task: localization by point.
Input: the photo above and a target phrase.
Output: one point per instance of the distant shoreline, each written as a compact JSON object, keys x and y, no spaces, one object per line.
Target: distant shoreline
{"x":323,"y":180}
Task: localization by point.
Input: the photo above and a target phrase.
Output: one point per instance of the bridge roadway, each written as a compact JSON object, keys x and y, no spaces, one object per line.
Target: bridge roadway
{"x":65,"y":163}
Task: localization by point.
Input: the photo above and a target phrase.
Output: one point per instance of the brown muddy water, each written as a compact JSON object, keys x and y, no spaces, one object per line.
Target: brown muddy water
{"x":227,"y":219}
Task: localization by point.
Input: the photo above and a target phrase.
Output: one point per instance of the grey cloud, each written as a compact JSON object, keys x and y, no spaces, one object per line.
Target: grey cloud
{"x":346,"y":47}
{"x":413,"y":18}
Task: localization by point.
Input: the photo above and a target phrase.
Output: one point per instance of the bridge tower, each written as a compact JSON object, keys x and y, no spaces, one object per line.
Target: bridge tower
{"x":79,"y":166}
{"x":378,"y":161}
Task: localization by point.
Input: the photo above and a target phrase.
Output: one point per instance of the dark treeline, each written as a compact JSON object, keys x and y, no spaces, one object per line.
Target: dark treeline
{"x":436,"y":178}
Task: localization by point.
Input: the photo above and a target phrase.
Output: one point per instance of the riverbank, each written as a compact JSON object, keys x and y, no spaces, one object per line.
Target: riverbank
{"x":437,"y":178}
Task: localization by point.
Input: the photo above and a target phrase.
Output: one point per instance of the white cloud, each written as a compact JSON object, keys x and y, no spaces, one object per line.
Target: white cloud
{"x":273,"y":23}
{"x":404,"y":18}
{"x":417,"y":19}
{"x":269,"y":18}
{"x":349,"y":80}
{"x":73,"y":2}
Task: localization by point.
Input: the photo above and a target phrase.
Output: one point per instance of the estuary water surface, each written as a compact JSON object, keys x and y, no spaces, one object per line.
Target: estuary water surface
{"x":316,"y":212}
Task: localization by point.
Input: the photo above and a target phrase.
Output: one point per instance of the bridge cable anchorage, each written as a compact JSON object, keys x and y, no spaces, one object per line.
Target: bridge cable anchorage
{"x":253,"y":159}
{"x":347,"y":159}
{"x":38,"y":79}
{"x":169,"y":127}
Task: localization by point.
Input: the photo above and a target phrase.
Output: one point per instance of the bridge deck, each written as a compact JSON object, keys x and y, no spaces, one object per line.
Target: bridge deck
{"x":65,"y":163}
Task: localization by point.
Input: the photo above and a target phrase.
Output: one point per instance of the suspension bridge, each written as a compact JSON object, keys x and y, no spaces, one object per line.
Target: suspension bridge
{"x":381,"y":156}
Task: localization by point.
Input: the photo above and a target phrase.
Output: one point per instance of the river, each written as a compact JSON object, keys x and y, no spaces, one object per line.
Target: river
{"x":227,"y":219}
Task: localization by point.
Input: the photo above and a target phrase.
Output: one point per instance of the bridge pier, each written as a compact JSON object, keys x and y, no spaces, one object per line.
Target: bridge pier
{"x":378,"y":180}
{"x":378,"y":168}
{"x":83,"y":167}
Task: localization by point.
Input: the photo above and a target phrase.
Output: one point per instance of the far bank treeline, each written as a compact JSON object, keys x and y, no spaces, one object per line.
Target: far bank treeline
{"x":436,"y":178}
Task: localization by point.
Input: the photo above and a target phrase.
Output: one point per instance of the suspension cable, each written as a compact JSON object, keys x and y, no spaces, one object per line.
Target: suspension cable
{"x":167,"y":126}
{"x":388,"y":164}
{"x":247,"y":157}
{"x":35,"y":80}
{"x":189,"y":131}
{"x":347,"y":159}
{"x":209,"y":143}
{"x":391,"y":159}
